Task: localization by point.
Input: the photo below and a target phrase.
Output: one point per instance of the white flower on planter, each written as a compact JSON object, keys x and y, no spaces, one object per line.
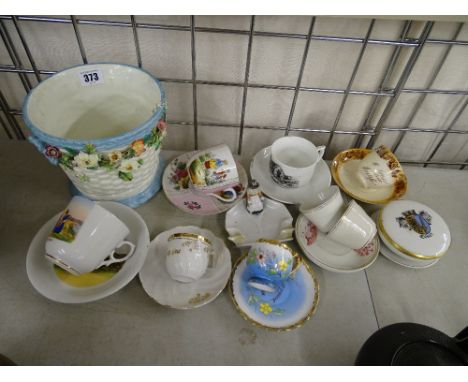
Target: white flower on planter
{"x":115,"y":156}
{"x":128,"y":165}
{"x":83,"y":160}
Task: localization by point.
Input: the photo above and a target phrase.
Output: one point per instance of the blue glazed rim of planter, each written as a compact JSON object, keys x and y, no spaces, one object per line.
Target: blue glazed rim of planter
{"x":138,"y":199}
{"x":103,"y":143}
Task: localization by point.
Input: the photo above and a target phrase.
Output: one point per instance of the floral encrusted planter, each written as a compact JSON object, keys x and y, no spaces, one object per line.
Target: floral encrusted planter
{"x":125,"y":105}
{"x":121,"y":163}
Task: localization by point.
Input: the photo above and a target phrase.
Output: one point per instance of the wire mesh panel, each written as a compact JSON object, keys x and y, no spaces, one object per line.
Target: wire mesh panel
{"x":247,"y":80}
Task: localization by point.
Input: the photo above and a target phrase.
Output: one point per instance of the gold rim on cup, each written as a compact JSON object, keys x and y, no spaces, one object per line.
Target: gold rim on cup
{"x":295,"y":255}
{"x":185,"y":235}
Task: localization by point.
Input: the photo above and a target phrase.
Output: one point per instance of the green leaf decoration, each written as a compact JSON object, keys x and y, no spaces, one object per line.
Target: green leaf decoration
{"x":140,"y":161}
{"x":272,"y":271}
{"x":66,"y":160}
{"x":70,"y":152}
{"x":278,"y":311}
{"x":129,"y":153}
{"x":84,"y":178}
{"x":90,"y":149}
{"x":126,"y":176}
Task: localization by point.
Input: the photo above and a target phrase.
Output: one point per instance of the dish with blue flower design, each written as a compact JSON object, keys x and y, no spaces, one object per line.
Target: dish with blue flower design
{"x":286,"y":306}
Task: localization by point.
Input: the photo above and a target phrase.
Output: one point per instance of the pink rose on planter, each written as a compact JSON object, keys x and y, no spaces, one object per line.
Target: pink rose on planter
{"x":52,"y":151}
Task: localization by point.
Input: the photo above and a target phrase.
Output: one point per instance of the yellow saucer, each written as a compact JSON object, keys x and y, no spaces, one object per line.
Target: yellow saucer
{"x":86,"y":280}
{"x":344,"y":168}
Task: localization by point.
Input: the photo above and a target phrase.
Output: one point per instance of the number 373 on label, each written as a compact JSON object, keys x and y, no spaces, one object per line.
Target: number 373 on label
{"x":91,"y":77}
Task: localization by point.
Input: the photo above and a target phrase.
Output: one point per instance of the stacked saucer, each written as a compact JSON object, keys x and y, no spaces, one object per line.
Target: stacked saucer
{"x":413,"y":235}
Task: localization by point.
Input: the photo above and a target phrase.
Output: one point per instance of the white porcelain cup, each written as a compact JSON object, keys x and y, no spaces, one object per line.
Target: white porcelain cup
{"x":86,"y":237}
{"x":373,"y":171}
{"x":325,"y":210}
{"x":293,"y":161}
{"x":214,"y":171}
{"x":354,"y":229}
{"x":188,"y":256}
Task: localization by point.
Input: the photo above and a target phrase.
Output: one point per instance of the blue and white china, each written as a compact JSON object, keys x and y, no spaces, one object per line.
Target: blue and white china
{"x":272,"y":260}
{"x":260,"y":171}
{"x":330,"y":255}
{"x":285,"y":308}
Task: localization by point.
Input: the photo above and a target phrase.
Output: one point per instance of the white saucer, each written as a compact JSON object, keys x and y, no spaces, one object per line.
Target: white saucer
{"x":330,"y":255}
{"x":260,"y":171}
{"x":274,"y":222}
{"x":41,"y":272}
{"x":408,"y":263}
{"x":174,"y":294}
{"x":298,"y":302}
{"x":405,"y":261}
{"x":176,"y":187}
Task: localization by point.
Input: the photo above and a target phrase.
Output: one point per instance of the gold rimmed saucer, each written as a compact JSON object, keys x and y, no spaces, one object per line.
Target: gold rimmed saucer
{"x":344,"y":169}
{"x":302,"y":301}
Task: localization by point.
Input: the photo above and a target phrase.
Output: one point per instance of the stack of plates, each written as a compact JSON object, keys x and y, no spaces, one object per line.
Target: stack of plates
{"x":412,"y":234}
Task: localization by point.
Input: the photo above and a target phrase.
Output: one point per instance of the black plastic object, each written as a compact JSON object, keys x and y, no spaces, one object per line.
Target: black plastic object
{"x":410,"y":344}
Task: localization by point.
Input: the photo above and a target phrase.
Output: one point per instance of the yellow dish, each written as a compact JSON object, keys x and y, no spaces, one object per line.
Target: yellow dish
{"x":344,"y":169}
{"x":97,"y":277}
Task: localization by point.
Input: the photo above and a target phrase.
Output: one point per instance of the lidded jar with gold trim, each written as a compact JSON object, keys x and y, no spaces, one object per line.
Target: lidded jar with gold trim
{"x":410,"y":228}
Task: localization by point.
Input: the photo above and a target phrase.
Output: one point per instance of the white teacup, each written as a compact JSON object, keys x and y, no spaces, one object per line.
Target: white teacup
{"x":354,"y":229}
{"x":188,"y":256}
{"x":374,"y":171}
{"x":214,"y":170}
{"x":86,"y":237}
{"x":327,"y":211}
{"x":293,"y":161}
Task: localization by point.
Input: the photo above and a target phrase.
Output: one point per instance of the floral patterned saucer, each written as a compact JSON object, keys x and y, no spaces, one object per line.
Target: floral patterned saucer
{"x":330,"y":255}
{"x":299,"y":302}
{"x":168,"y":292}
{"x":176,"y":187}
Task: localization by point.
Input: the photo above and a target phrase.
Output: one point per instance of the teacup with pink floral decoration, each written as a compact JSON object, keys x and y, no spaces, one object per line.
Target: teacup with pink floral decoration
{"x":272,"y":261}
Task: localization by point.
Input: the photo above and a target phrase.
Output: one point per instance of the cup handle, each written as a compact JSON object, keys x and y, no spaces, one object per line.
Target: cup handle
{"x":261,"y":285}
{"x":231,"y":199}
{"x":321,"y":151}
{"x":112,"y":259}
{"x":297,"y":263}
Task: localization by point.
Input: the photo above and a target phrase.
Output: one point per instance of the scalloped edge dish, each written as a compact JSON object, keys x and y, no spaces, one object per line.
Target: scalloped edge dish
{"x":344,"y":167}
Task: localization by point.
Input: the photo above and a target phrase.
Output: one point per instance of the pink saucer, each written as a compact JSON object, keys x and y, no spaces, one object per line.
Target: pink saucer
{"x":176,"y":188}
